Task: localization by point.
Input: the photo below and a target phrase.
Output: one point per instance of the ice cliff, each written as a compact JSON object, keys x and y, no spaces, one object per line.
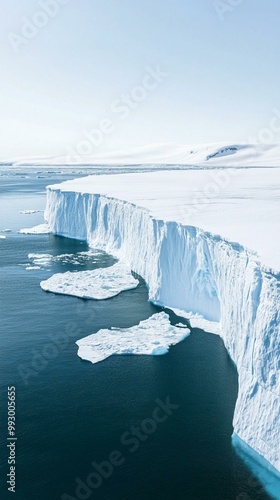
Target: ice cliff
{"x":194,"y":270}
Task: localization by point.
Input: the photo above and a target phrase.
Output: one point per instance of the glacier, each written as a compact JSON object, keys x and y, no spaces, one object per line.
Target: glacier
{"x":216,"y":260}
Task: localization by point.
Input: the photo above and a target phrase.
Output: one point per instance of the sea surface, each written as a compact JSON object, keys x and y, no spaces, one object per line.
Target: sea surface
{"x":71,"y":415}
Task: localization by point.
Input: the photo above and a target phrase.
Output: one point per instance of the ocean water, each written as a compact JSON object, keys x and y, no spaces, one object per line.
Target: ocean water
{"x":71,"y":416}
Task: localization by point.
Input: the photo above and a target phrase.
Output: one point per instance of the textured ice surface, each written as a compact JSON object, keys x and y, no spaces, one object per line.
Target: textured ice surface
{"x":40,"y":229}
{"x":153,"y":336}
{"x":159,"y":224}
{"x":97,"y":284}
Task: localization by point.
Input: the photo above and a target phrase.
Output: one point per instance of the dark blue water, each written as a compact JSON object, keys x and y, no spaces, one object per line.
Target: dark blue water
{"x":71,"y":413}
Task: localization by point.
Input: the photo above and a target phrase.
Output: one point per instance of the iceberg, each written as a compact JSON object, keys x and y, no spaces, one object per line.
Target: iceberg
{"x":152,"y":336}
{"x":215,"y":256}
{"x":98,"y":284}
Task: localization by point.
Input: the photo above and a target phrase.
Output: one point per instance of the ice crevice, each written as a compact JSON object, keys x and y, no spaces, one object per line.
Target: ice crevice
{"x":190,"y":269}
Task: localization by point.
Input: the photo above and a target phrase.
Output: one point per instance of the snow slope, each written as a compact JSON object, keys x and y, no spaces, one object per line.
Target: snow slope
{"x":218,"y":154}
{"x":187,"y":252}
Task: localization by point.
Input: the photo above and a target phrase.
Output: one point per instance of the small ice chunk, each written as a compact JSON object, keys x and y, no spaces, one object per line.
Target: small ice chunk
{"x":198,"y":321}
{"x":97,"y":284}
{"x":152,"y":336}
{"x":28,"y":212}
{"x":2,"y":237}
{"x":40,"y":229}
{"x":39,"y":256}
{"x":80,"y":258}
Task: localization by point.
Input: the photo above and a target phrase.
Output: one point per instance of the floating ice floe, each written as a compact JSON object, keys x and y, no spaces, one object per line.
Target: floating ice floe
{"x":153,"y":336}
{"x":79,"y":258}
{"x":5,"y":231}
{"x":97,"y":284}
{"x":40,"y":229}
{"x":28,"y":212}
{"x":41,"y":256}
{"x":2,"y":237}
{"x":45,"y":260}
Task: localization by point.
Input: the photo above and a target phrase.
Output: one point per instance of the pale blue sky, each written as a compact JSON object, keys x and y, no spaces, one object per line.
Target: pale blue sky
{"x":223,"y":81}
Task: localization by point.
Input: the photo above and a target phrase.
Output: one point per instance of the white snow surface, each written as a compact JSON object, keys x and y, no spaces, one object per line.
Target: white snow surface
{"x":97,"y":284}
{"x":152,"y":336}
{"x":209,"y":155}
{"x":242,"y":205}
{"x":40,"y":229}
{"x":194,"y":257}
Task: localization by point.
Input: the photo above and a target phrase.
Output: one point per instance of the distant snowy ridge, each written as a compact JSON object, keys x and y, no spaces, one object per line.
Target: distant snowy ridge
{"x":219,"y":154}
{"x":191,"y":269}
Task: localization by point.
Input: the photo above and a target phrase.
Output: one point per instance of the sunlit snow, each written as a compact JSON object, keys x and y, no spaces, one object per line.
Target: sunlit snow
{"x":152,"y":336}
{"x":97,"y":284}
{"x":40,"y":229}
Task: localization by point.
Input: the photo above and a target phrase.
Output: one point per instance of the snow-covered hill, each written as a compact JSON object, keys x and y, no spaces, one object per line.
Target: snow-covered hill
{"x":169,"y":154}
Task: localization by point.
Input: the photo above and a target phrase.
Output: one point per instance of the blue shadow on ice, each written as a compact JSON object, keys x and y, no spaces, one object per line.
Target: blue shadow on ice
{"x":267,"y":475}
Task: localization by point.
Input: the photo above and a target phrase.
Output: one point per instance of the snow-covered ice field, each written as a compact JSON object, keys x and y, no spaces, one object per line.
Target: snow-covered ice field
{"x":241,"y":205}
{"x":206,"y":155}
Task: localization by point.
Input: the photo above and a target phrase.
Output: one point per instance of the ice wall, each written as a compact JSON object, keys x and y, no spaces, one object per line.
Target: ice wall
{"x":190,"y":269}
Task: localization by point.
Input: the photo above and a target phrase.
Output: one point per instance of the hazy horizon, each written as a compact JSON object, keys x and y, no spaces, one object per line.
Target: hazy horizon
{"x":189,"y":73}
